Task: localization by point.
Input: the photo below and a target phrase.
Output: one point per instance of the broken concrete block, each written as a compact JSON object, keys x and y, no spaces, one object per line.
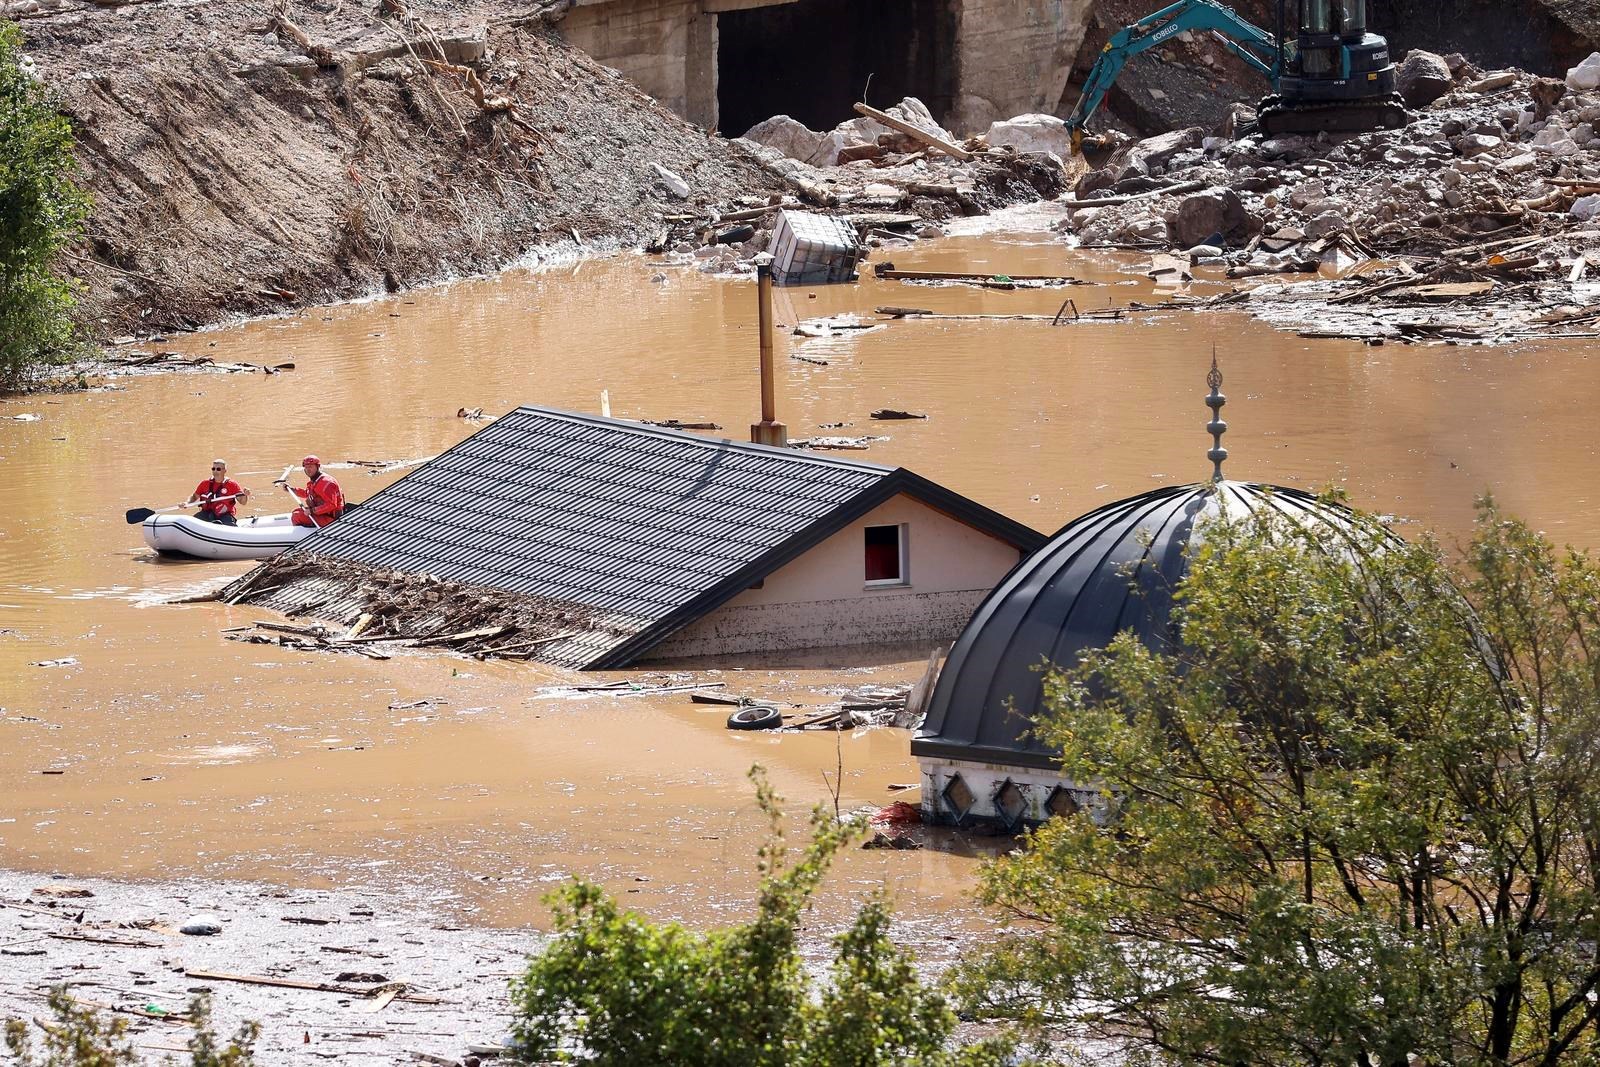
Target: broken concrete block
{"x":1475,"y":144}
{"x":1546,"y":93}
{"x":1326,"y":224}
{"x":791,"y":137}
{"x":1585,"y":75}
{"x":1096,"y":181}
{"x":1422,"y":78}
{"x":1307,"y":192}
{"x":1586,"y":208}
{"x":676,"y":185}
{"x":1032,"y":133}
{"x":1555,"y":141}
{"x":1202,"y":215}
{"x":1154,"y":152}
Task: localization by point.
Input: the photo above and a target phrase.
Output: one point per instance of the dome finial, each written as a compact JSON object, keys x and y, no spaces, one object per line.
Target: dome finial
{"x":1216,"y":427}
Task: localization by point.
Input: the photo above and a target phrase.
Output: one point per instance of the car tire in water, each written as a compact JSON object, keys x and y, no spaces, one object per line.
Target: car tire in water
{"x":755,"y":717}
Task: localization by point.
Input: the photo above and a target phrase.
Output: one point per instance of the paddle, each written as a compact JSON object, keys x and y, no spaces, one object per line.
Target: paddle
{"x":138,"y":515}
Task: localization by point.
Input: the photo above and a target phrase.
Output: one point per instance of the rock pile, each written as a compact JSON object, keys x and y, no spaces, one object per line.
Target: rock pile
{"x":1491,"y":156}
{"x":894,"y":185}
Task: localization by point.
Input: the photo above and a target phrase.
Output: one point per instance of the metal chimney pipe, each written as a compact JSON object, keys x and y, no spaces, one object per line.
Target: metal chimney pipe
{"x":769,"y":431}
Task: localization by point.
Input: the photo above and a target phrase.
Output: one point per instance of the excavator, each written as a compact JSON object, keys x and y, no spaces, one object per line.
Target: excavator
{"x":1327,"y":72}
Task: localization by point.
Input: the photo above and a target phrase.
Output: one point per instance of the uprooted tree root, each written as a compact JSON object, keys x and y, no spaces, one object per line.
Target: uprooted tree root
{"x":381,"y":608}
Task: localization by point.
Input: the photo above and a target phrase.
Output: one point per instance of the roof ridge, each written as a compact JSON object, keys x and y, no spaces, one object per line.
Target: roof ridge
{"x":648,"y":429}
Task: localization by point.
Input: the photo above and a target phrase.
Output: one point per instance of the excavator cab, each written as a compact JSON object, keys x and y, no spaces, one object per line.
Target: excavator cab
{"x":1334,"y":74}
{"x":1327,"y":71}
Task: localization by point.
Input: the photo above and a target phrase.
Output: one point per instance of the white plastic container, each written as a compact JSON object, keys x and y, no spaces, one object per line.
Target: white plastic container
{"x":811,"y":249}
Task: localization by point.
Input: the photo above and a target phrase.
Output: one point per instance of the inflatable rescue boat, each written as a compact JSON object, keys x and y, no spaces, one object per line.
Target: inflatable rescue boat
{"x":258,"y":537}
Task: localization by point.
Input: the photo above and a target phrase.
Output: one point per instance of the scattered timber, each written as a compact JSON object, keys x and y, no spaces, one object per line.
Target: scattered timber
{"x":1114,"y":201}
{"x":371,"y":612}
{"x":317,"y":987}
{"x":915,"y":133}
{"x":889,"y":272}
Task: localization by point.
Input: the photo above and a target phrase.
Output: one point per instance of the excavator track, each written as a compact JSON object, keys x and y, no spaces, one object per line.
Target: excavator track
{"x":1275,"y":117}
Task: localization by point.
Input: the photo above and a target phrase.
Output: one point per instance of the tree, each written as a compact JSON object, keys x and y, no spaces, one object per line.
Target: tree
{"x":616,"y":990}
{"x":1350,"y":818}
{"x":41,"y":212}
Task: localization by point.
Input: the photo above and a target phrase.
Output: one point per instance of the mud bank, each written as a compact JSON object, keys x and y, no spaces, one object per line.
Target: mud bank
{"x":243,"y":164}
{"x":118,"y":946}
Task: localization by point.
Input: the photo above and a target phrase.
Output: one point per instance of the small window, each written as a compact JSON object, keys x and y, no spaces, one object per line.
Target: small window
{"x":886,"y":557}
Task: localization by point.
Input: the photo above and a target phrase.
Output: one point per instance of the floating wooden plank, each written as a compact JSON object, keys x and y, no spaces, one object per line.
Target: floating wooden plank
{"x":915,"y":132}
{"x":316,"y":633}
{"x":120,"y":942}
{"x":315,"y":987}
{"x":1445,"y":290}
{"x":465,"y":635}
{"x":889,"y":272}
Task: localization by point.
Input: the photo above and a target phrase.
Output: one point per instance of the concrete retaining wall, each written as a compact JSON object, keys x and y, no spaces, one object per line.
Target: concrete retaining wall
{"x":1015,"y":56}
{"x":666,"y":47}
{"x":1012,"y":56}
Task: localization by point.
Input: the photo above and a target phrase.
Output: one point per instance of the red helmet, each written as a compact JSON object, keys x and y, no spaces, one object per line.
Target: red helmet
{"x":312,"y":460}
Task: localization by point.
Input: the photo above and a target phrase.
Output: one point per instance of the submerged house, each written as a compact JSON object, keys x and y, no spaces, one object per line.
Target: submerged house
{"x":1111,"y":570}
{"x":671,"y":545}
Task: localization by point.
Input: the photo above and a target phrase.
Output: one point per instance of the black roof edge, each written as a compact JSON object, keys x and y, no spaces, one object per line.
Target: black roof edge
{"x":1009,"y":757}
{"x":1024,"y":538}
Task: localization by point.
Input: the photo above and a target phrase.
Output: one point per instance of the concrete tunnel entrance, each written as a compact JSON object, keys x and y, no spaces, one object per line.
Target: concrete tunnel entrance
{"x":811,"y":60}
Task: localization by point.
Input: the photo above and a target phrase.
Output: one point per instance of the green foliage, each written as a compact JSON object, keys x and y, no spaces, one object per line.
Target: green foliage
{"x":1351,"y":820}
{"x":78,"y":1037}
{"x":41,"y":212}
{"x":616,"y":990}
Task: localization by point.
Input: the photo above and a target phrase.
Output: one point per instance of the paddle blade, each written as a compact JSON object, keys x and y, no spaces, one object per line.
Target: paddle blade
{"x":138,"y":515}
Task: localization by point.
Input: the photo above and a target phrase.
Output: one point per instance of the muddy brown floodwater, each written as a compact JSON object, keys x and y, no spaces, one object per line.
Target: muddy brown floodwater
{"x":186,"y":755}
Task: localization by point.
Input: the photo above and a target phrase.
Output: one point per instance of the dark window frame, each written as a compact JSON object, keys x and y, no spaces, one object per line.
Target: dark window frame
{"x":875,"y":563}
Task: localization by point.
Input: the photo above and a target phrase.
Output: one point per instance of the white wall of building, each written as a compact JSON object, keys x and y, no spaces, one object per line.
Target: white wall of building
{"x":986,"y":779}
{"x":822,"y":599}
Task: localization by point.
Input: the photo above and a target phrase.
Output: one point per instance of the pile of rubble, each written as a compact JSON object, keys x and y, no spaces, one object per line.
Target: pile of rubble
{"x":1486,"y":200}
{"x":371,"y":611}
{"x":895,"y":174}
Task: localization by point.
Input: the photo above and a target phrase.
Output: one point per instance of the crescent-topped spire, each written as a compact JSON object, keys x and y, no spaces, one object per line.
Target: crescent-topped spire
{"x":1216,"y":427}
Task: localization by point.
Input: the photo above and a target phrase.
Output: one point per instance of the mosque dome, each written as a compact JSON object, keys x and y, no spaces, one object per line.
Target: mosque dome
{"x":1111,"y":570}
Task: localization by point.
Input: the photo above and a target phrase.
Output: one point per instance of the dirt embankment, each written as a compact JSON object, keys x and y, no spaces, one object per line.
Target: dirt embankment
{"x":243,"y":163}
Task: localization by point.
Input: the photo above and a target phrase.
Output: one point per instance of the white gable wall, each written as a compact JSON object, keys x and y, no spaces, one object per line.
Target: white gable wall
{"x":822,"y":600}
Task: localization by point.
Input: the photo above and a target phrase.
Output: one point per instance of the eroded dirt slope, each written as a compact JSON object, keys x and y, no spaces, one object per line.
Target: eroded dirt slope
{"x":245,"y":159}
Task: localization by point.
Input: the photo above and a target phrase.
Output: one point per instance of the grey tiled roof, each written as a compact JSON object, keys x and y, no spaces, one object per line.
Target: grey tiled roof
{"x":648,"y":528}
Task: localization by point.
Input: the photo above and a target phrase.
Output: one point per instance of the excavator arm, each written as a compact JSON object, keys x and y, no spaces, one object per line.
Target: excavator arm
{"x":1258,"y":48}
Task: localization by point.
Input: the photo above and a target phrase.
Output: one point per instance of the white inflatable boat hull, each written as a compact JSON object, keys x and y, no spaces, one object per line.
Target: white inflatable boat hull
{"x":258,"y":537}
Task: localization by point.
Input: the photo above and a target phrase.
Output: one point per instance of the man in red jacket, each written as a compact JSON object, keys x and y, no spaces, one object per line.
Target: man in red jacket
{"x":324,"y":501}
{"x":213,"y":496}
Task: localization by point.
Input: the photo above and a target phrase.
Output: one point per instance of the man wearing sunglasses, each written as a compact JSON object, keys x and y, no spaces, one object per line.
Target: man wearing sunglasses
{"x":218,"y":496}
